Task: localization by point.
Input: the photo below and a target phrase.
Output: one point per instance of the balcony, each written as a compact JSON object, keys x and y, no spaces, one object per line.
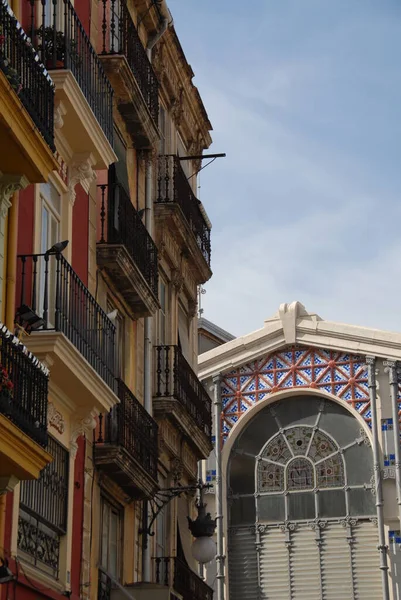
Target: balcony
{"x":26,"y":105}
{"x":23,"y":410}
{"x":177,"y":205}
{"x":84,"y":96}
{"x":68,"y":328}
{"x":126,"y":446}
{"x":176,"y":574}
{"x":131,"y":74}
{"x":127,"y":252}
{"x":180,"y":395}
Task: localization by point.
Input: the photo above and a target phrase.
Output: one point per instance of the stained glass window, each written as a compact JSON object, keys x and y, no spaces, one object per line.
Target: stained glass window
{"x":300,"y":474}
{"x":271,"y":477}
{"x":321,"y":446}
{"x":330,"y":472}
{"x":299,"y":438}
{"x":311,"y":459}
{"x":277,"y":450}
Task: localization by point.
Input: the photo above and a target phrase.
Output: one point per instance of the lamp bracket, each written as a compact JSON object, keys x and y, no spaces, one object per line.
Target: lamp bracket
{"x":164,"y":497}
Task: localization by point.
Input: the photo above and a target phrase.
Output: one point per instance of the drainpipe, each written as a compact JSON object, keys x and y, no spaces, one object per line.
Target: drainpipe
{"x":371,"y":362}
{"x":148,"y":349}
{"x":219,"y":489}
{"x":391,"y":368}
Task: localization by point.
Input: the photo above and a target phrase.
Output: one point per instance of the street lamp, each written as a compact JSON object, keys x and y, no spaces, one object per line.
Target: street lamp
{"x":202,"y":528}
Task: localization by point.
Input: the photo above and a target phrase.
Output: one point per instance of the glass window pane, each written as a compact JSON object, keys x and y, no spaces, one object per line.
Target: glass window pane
{"x":296,"y":411}
{"x":332,"y":503}
{"x":301,"y":506}
{"x":242,"y":474}
{"x":361,"y":502}
{"x":359,"y":463}
{"x":261,"y":428}
{"x":271,"y":508}
{"x":339,"y":423}
{"x":242,"y":510}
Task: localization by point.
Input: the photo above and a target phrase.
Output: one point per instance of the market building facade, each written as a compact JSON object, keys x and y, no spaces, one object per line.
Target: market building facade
{"x":307,"y":460}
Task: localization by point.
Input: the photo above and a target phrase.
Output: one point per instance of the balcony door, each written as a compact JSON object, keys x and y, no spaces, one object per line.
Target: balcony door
{"x":50,"y":205}
{"x":111,"y":539}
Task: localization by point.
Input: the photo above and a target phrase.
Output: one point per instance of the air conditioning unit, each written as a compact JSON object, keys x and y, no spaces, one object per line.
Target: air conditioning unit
{"x":145,"y":591}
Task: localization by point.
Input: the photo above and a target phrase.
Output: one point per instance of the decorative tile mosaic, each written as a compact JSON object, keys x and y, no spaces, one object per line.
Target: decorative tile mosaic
{"x":341,"y":374}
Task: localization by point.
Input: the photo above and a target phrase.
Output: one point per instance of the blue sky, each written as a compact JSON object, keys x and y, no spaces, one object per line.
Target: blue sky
{"x":305,"y":98}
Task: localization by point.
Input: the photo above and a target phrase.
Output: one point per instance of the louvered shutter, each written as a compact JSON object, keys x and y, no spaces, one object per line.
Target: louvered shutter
{"x":274,"y":565}
{"x":336,"y":563}
{"x":242,"y":564}
{"x":365,"y":559}
{"x":304,"y":564}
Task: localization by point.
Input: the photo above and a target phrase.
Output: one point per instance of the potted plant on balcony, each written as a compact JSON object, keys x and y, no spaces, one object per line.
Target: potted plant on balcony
{"x":12,"y":74}
{"x":6,"y":390}
{"x":53,"y":46}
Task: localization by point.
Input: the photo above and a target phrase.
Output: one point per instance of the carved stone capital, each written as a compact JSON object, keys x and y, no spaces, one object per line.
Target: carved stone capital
{"x":177,"y":280}
{"x":82,"y":426}
{"x":81,"y":171}
{"x":9,"y":184}
{"x":176,"y":469}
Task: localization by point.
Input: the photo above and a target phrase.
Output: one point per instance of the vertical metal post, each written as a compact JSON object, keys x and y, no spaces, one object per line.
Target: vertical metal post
{"x":371,"y":362}
{"x":391,"y":368}
{"x":219,"y":489}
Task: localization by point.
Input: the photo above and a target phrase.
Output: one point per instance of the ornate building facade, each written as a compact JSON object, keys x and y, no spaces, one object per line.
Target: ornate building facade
{"x":307,"y":460}
{"x":103,"y":243}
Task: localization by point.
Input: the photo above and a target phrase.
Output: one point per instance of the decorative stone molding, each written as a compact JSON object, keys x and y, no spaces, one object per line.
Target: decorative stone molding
{"x":176,"y":470}
{"x":7,"y":484}
{"x":81,"y":171}
{"x":9,"y":184}
{"x":55,"y":419}
{"x":80,"y":427}
{"x":59,"y":113}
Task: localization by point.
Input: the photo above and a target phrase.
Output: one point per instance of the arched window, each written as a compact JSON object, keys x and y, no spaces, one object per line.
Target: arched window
{"x":310,"y":460}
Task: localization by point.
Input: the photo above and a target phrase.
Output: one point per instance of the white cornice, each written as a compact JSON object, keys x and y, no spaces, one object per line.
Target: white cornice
{"x":308,"y":330}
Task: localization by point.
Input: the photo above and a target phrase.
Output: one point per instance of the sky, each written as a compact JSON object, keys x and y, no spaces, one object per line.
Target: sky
{"x":305,"y":98}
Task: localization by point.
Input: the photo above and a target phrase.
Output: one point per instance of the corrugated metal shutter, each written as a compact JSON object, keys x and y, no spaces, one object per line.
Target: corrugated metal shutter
{"x":242,"y":564}
{"x":274,"y":565}
{"x":336,"y":563}
{"x":304,"y":564}
{"x":366,"y":561}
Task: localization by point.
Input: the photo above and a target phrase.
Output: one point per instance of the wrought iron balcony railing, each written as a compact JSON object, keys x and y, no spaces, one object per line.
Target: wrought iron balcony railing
{"x":25,"y":73}
{"x":175,"y":573}
{"x":43,"y":512}
{"x":120,"y":223}
{"x":120,"y":36}
{"x":52,"y":290}
{"x":129,"y":425}
{"x":23,"y":387}
{"x":173,"y":187}
{"x":62,"y":43}
{"x":104,"y":586}
{"x":176,"y":379}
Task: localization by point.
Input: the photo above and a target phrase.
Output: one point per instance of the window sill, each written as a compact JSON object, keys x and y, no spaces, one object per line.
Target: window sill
{"x":34,"y":575}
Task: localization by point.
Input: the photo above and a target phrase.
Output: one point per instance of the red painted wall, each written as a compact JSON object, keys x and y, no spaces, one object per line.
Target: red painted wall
{"x":82,"y":9}
{"x":80,"y":234}
{"x":26,"y":207}
{"x":77,"y":523}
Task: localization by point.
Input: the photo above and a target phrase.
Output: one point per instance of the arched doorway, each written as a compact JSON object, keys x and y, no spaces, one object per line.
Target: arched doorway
{"x":302,"y":517}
